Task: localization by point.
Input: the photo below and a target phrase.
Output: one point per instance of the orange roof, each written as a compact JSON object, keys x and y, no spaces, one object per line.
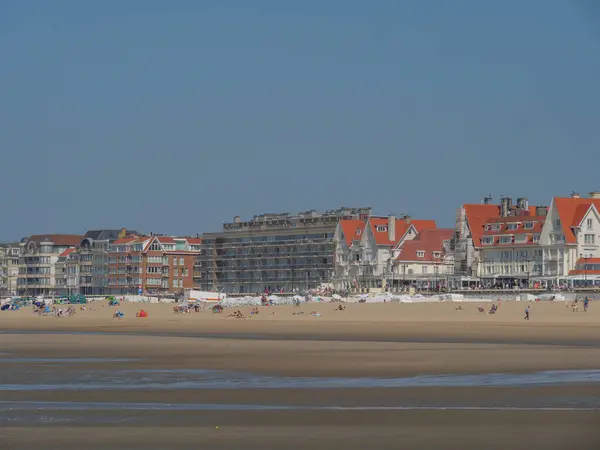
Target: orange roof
{"x":402,"y":226}
{"x":352,"y":230}
{"x":571,"y":212}
{"x":67,"y":252}
{"x":477,"y":216}
{"x":428,"y":241}
{"x":194,"y":241}
{"x":165,"y":240}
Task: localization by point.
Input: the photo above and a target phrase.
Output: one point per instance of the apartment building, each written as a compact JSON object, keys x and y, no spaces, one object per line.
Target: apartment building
{"x":365,"y":249}
{"x":272,"y":251}
{"x":37,"y":262}
{"x":91,"y":261}
{"x":424,"y":261}
{"x":9,"y":268}
{"x":67,"y":281}
{"x":153,"y":265}
{"x":509,"y":252}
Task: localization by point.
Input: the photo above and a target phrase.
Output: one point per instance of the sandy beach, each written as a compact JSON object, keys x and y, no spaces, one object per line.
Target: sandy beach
{"x":363,"y":342}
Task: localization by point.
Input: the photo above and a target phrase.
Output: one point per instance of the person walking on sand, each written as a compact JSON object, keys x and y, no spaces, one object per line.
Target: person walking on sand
{"x":527,"y":313}
{"x":586,"y":303}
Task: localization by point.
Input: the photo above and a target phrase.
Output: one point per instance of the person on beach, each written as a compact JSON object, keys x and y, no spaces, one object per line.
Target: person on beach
{"x":527,"y":313}
{"x":586,"y":303}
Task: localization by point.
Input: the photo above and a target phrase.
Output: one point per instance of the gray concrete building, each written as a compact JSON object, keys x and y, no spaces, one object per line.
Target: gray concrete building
{"x":272,"y":251}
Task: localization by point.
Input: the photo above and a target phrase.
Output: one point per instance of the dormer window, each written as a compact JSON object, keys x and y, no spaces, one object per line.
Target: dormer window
{"x":437,"y":254}
{"x":528,"y":225}
{"x":358,"y":232}
{"x":420,"y":253}
{"x":382,"y":228}
{"x":512,"y":226}
{"x":487,"y":240}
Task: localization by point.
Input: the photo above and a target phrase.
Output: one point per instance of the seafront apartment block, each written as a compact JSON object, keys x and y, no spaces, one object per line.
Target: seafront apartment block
{"x":151,"y":264}
{"x":272,"y":252}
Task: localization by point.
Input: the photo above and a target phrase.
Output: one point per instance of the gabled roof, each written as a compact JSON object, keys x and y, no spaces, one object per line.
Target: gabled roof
{"x":571,"y":212}
{"x":352,"y":230}
{"x":402,"y":226}
{"x":477,"y":216}
{"x":429,"y":241}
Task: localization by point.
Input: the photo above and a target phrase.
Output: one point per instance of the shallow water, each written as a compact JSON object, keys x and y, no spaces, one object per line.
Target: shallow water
{"x":56,"y":378}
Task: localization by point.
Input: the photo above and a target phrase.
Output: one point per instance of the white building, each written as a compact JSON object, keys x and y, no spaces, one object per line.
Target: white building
{"x":37,"y":263}
{"x":570,"y":238}
{"x":424,"y":261}
{"x":365,"y":250}
{"x":9,"y":268}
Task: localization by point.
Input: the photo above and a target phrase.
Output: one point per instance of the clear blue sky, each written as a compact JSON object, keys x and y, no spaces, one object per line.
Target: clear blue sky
{"x":174,"y":116}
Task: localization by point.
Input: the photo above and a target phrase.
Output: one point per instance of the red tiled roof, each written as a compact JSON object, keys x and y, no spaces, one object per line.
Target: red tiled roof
{"x":503,"y":221}
{"x":165,"y":240}
{"x":402,"y":226}
{"x":352,"y":230}
{"x":194,"y":241}
{"x":67,"y":252}
{"x":477,"y":216}
{"x":429,"y":241}
{"x":58,"y":239}
{"x":571,"y":212}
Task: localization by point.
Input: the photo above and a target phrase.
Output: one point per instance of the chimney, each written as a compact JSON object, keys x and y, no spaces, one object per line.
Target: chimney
{"x":487,"y":200}
{"x":392,"y":228}
{"x":541,"y":211}
{"x":595,"y":194}
{"x":407,"y":219}
{"x":236,"y":219}
{"x":575,"y":195}
{"x":505,"y":205}
{"x":522,"y":203}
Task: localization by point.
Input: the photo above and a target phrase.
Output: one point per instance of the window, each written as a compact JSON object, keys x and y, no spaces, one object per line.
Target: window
{"x":487,"y":240}
{"x":589,"y":239}
{"x":506,"y":239}
{"x":181,"y":263}
{"x":556,"y":223}
{"x":154,"y":269}
{"x":420,"y":253}
{"x":437,"y":254}
{"x":358,"y":232}
{"x":528,"y":225}
{"x":521,"y":239}
{"x":495,"y":227}
{"x":424,"y":270}
{"x":156,"y":247}
{"x":382,"y":228}
{"x":46,"y":249}
{"x":512,"y":226}
{"x":590,"y":224}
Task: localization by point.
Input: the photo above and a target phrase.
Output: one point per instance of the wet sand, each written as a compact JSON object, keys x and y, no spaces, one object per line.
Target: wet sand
{"x":363,"y":341}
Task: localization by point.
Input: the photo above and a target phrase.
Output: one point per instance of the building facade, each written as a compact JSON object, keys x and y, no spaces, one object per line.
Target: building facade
{"x":272,"y":252}
{"x":153,"y":265}
{"x":9,"y":268}
{"x":570,"y":239}
{"x":424,"y":261}
{"x":365,"y":250}
{"x":37,"y":263}
{"x":91,"y":261}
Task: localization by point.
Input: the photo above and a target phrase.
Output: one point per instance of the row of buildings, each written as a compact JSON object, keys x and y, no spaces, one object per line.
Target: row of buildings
{"x":491,"y":244}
